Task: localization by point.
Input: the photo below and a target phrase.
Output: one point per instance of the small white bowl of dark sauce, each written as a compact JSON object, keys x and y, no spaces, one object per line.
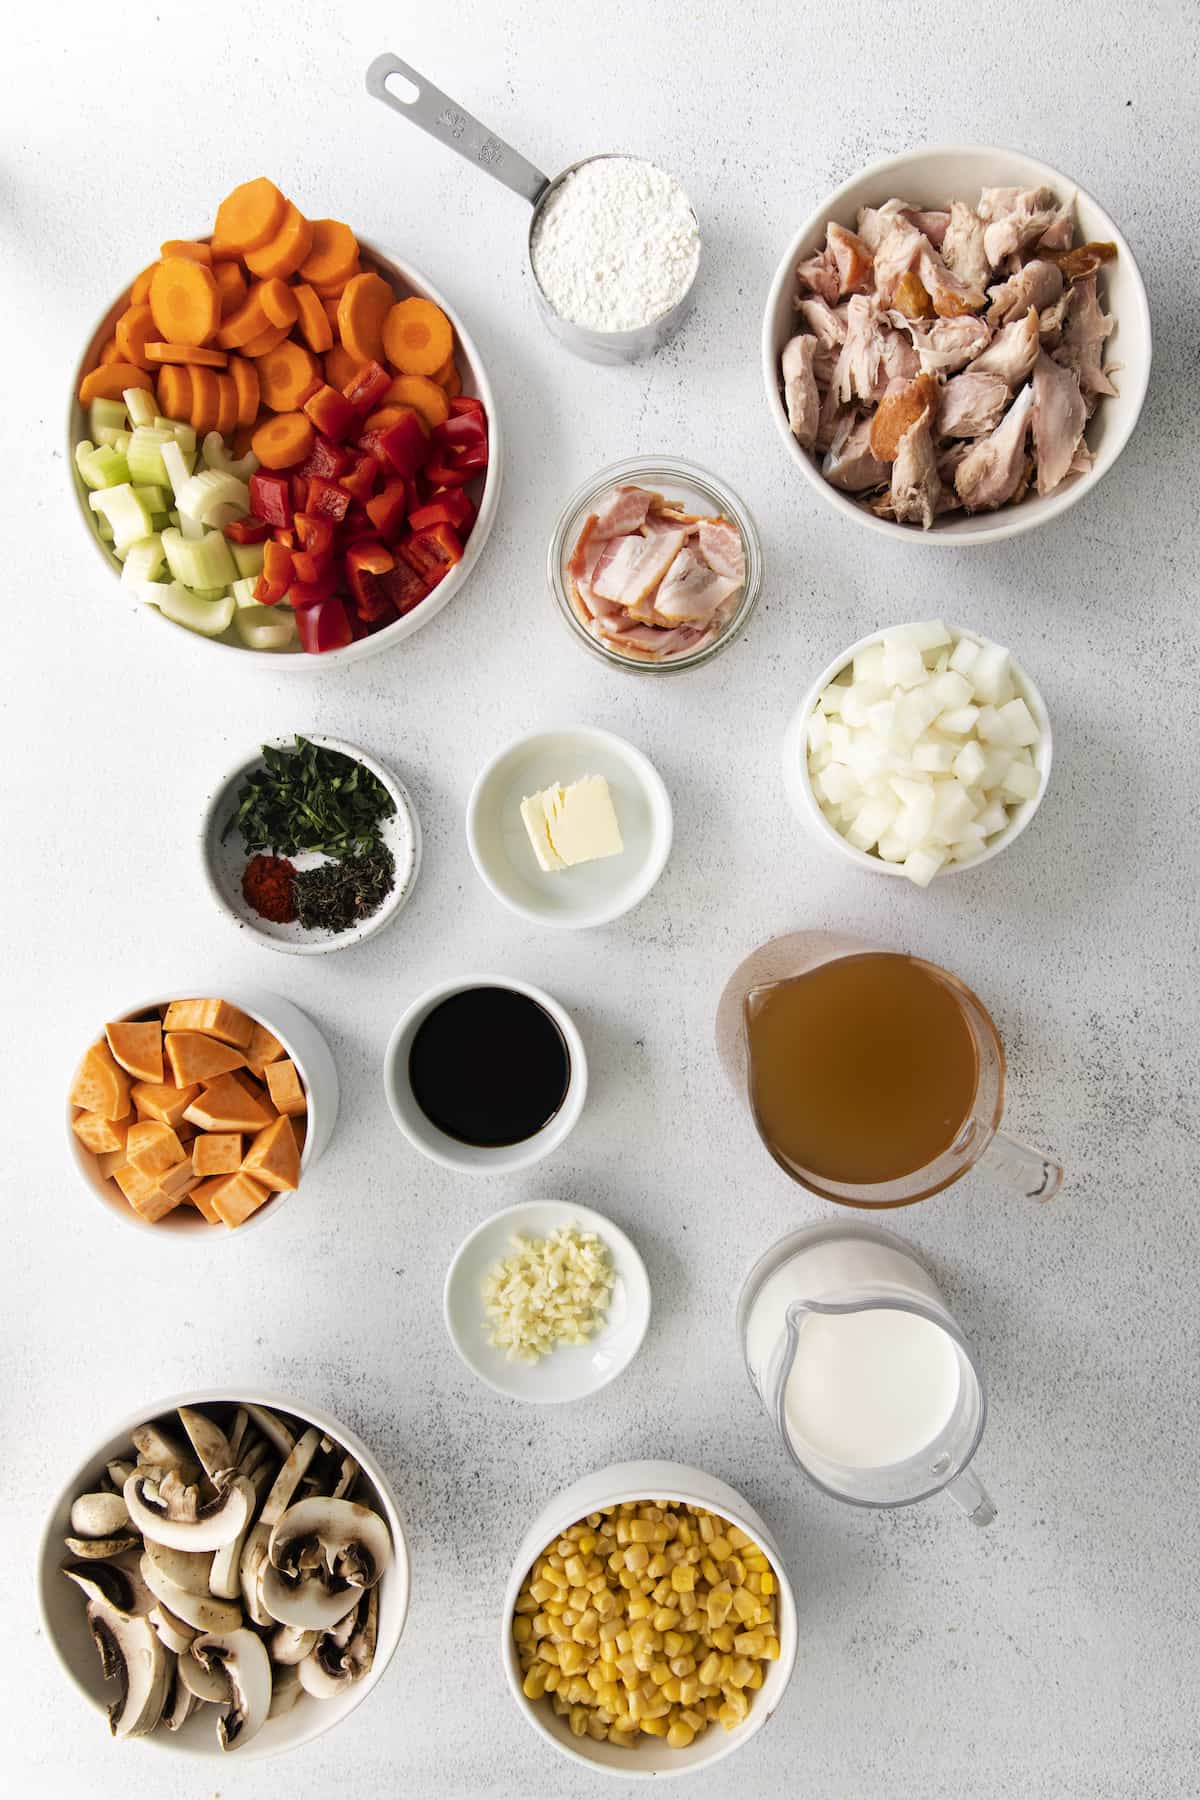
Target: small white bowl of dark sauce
{"x":485,"y":1074}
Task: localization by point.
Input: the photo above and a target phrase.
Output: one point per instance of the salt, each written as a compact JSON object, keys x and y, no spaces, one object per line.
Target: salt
{"x":616,"y":246}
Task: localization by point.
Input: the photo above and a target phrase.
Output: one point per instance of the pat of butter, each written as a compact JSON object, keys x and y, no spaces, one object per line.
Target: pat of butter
{"x":571,"y":825}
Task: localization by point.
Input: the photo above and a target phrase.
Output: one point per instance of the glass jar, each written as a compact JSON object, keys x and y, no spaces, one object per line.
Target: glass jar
{"x":697,"y":490}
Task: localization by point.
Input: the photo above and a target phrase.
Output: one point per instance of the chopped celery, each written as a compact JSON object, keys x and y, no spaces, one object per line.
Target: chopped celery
{"x":248,"y":557}
{"x":124,"y":512}
{"x":106,"y":415}
{"x":199,"y":562}
{"x":243,"y":588}
{"x":217,"y":593}
{"x":266,"y":627}
{"x":139,"y":404}
{"x":208,"y":492}
{"x":209,"y":617}
{"x":144,"y":560}
{"x":174,"y":518}
{"x":217,"y":457}
{"x":178,"y":464}
{"x":154,"y":499}
{"x":160,"y":521}
{"x":190,"y":528}
{"x":108,"y":434}
{"x":103,"y":468}
{"x":183,"y":433}
{"x":146,"y":455}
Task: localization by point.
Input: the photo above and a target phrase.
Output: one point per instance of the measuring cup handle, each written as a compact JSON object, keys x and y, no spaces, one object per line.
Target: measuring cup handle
{"x":453,"y":126}
{"x":967,"y":1491}
{"x":1038,"y":1175}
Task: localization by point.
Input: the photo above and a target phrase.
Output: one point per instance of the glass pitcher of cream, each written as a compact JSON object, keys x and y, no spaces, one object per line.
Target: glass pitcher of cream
{"x":874,"y":1078}
{"x":863,"y":1371}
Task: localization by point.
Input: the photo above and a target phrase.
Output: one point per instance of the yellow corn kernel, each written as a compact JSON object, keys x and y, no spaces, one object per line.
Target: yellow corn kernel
{"x":641,"y":1532}
{"x":741,"y":1671}
{"x":754,"y":1559}
{"x":689,"y":1689}
{"x":522,"y":1630}
{"x":767,"y":1582}
{"x":666,"y":1618}
{"x":577,"y":1720}
{"x":622,"y":1738}
{"x":605,"y":1603}
{"x":628,"y":1669}
{"x":708,"y":1530}
{"x":552,"y":1571}
{"x":639,"y":1608}
{"x":739,"y":1540}
{"x":624,"y":1643}
{"x":710,"y":1571}
{"x":679,"y":1735}
{"x":542,"y":1590}
{"x":685,"y":1532}
{"x":712,"y":1707}
{"x":710,"y":1668}
{"x":744,"y":1603}
{"x":636,"y":1557}
{"x":624,"y":1532}
{"x":670,"y":1689}
{"x":683,"y":1578}
{"x":554,"y":1678}
{"x":722,"y":1637}
{"x":771,"y":1649}
{"x":534,"y":1684}
{"x":587,"y":1542}
{"x":720,"y":1548}
{"x":683,"y":1665}
{"x":526,"y":1603}
{"x":657,"y":1567}
{"x":570,"y":1657}
{"x":653,"y":1727}
{"x":748,"y":1643}
{"x":756,"y":1680}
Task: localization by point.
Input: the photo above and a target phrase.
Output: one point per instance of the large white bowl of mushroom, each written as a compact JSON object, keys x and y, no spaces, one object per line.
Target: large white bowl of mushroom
{"x":225,"y":1575}
{"x":956,"y":345}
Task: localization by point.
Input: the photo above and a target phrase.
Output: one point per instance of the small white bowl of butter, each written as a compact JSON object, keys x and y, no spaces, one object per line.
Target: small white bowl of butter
{"x":577,"y":780}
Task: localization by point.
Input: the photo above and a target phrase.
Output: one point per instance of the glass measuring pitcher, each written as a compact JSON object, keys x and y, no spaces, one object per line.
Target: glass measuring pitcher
{"x":865,"y":1374}
{"x":874,"y":1078}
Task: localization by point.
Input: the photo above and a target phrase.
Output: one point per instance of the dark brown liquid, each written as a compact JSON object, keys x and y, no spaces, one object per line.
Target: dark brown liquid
{"x":489,"y":1066}
{"x":862,"y":1071}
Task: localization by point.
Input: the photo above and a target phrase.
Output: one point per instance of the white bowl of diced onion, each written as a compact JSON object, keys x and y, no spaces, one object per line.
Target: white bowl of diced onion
{"x":650,"y":1757}
{"x":858,"y":809}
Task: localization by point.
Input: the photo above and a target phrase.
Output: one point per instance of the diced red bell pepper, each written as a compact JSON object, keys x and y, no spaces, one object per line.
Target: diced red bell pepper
{"x":355,"y":525}
{"x":276,"y":577}
{"x":324,"y":626}
{"x":315,"y":556}
{"x":402,"y":445}
{"x":460,"y":445}
{"x":327,"y":459}
{"x":331,"y":413}
{"x":365,"y":561}
{"x":449,"y":506}
{"x":388,"y":508}
{"x":431,"y":553}
{"x":299,"y":487}
{"x":303,"y":594}
{"x":467,"y":403}
{"x":360,"y":480}
{"x":326,"y":499}
{"x":366,"y":389}
{"x":382,"y":619}
{"x":247,"y":531}
{"x":286,"y":538}
{"x":403,"y":587}
{"x":271,"y":498}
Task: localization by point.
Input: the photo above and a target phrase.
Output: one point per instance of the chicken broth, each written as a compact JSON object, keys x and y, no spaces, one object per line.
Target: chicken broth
{"x":864,"y":1070}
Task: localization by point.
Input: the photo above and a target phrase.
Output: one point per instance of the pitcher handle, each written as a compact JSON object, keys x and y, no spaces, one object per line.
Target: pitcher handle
{"x":967,"y":1491}
{"x":1038,"y":1175}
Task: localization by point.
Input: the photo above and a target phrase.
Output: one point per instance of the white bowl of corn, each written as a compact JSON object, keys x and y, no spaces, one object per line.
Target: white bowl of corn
{"x":649,"y":1627}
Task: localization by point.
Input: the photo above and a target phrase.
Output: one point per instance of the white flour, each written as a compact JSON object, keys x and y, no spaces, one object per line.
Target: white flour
{"x":616,"y":246}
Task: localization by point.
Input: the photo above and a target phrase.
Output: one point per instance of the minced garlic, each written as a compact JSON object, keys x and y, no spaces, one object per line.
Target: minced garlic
{"x":552,"y":1290}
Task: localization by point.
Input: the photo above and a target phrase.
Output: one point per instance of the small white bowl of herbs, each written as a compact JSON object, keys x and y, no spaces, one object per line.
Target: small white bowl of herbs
{"x":312,"y":845}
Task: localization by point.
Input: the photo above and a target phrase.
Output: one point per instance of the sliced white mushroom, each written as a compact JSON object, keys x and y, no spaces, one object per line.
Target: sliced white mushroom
{"x":254,"y":1553}
{"x":242,"y":1659}
{"x":131,"y":1653}
{"x":173,"y":1514}
{"x":187,"y":1569}
{"x":258,"y":1466}
{"x":237,"y":1431}
{"x":118,"y":1473}
{"x":345,"y":1654}
{"x":181,"y":1703}
{"x":347,"y":1476}
{"x":100,"y":1549}
{"x":205,"y":1683}
{"x":273,"y":1428}
{"x":172,"y":1632}
{"x":289,"y":1646}
{"x":99,"y":1516}
{"x":304,"y":1601}
{"x":159,"y":1449}
{"x":198,"y":1610}
{"x":208,"y":1441}
{"x":104,"y":1583}
{"x":350,"y":1541}
{"x":128,"y":1564}
{"x":285,"y":1690}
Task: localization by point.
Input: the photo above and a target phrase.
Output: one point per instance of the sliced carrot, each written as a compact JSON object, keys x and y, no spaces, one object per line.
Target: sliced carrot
{"x":266,"y":341}
{"x":206,"y":399}
{"x":279,"y":302}
{"x":184,"y":301}
{"x":190,"y":248}
{"x":185,"y":353}
{"x":133,"y":328}
{"x":250,"y":216}
{"x":362,"y":309}
{"x":283,"y":440}
{"x":388,"y":415}
{"x":245,"y":380}
{"x":227,"y":404}
{"x":453,"y":382}
{"x":141,"y":288}
{"x":231,"y":285}
{"x":287,"y":376}
{"x":442,"y":375}
{"x":340,"y":367}
{"x":333,"y":290}
{"x":329,"y":306}
{"x":422,"y":394}
{"x":312,"y":323}
{"x":110,"y":381}
{"x":417,"y":336}
{"x":333,"y":254}
{"x":174,"y":393}
{"x":282,"y":255}
{"x":248,"y":322}
{"x":109,"y":352}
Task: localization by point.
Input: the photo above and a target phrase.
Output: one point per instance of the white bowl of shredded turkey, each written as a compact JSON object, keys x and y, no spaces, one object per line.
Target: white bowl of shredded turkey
{"x":956,"y":345}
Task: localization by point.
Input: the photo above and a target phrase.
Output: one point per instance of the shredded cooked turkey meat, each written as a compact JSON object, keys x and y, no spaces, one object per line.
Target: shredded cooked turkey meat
{"x":944,"y":359}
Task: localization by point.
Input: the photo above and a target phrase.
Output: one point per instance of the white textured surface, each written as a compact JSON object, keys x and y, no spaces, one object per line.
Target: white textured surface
{"x":1054,"y":1654}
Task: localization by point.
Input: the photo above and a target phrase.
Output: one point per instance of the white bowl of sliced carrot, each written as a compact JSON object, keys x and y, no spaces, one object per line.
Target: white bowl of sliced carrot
{"x":283,"y":440}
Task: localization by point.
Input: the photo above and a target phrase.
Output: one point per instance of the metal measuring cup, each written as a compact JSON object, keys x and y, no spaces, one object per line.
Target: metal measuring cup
{"x":448,"y":122}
